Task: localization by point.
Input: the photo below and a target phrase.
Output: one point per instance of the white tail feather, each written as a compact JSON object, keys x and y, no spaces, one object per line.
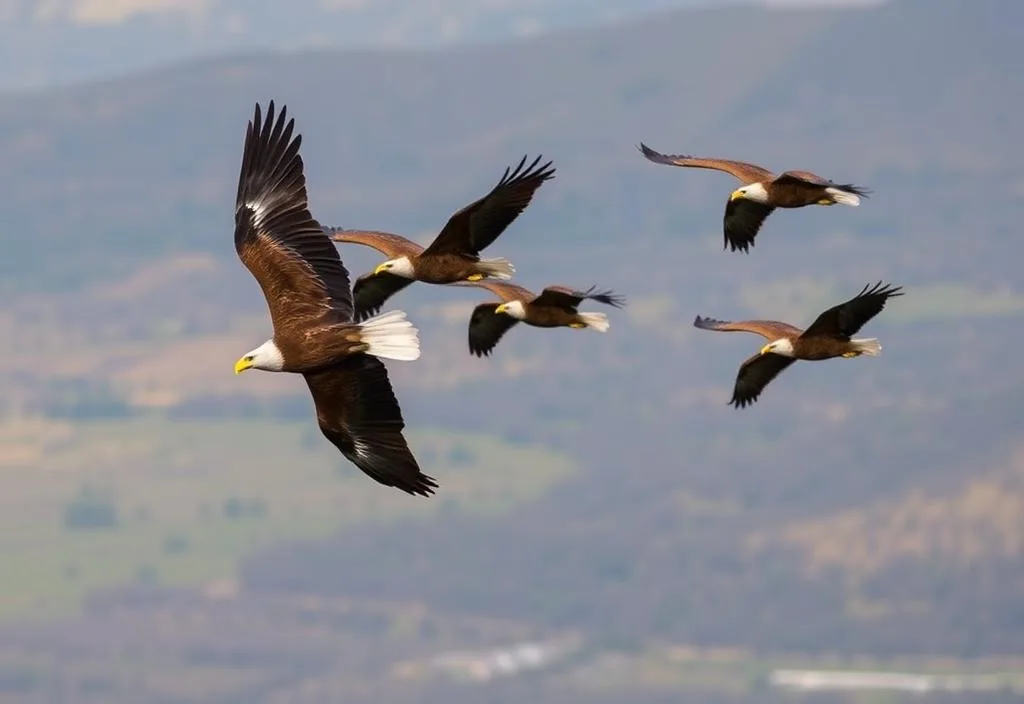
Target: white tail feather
{"x":844,"y":197}
{"x":499,"y":268}
{"x":869,"y":346}
{"x":598,"y":321}
{"x":391,"y":336}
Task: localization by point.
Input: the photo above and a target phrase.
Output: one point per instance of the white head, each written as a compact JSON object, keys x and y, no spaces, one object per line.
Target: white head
{"x":783,"y":346}
{"x":514,"y":308}
{"x":267,"y":357}
{"x":400,"y":266}
{"x":753,"y":191}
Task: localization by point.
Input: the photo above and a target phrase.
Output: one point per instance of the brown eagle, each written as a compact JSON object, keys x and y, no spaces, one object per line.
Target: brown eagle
{"x":762,"y":192}
{"x":308,"y":293}
{"x":454,"y":255}
{"x":830,"y":335}
{"x":555,"y":307}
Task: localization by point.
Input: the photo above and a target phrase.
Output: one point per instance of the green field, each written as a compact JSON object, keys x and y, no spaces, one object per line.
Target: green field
{"x":98,"y":504}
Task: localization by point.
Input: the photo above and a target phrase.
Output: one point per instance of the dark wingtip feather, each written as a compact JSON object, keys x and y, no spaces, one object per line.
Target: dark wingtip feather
{"x":607,"y":297}
{"x":544,"y":172}
{"x":743,"y":247}
{"x":398,"y":472}
{"x":707,"y":323}
{"x":360,"y":315}
{"x":860,"y":191}
{"x":881,"y":289}
{"x":610,"y":298}
{"x":652,"y":155}
{"x":422,"y":485}
{"x":659,"y":158}
{"x":271,"y":169}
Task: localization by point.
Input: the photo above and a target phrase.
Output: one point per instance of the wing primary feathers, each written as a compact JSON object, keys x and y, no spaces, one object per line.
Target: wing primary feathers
{"x":358,"y":412}
{"x":276,"y":237}
{"x":476,"y":226}
{"x":271,"y":173}
{"x":856,"y":190}
{"x":847,"y":318}
{"x":387,"y":243}
{"x":659,"y":158}
{"x":486,"y":328}
{"x":543,"y":173}
{"x":768,"y":329}
{"x":754,"y":375}
{"x":371,"y":291}
{"x":608,"y":297}
{"x":709,"y":323}
{"x":742,"y":221}
{"x":742,"y":170}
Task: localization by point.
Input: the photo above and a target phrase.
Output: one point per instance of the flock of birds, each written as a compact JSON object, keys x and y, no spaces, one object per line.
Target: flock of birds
{"x":331,"y":332}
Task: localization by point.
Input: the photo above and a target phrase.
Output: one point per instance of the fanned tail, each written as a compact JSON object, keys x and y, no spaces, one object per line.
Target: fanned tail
{"x":598,"y":321}
{"x":869,"y":346}
{"x":498,"y":268}
{"x":847,"y":194}
{"x":391,"y":336}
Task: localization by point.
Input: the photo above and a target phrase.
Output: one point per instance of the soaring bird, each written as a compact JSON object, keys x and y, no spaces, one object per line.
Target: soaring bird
{"x":830,"y":335}
{"x":454,"y":255}
{"x":555,"y":307}
{"x":762,"y":192}
{"x":308,"y":293}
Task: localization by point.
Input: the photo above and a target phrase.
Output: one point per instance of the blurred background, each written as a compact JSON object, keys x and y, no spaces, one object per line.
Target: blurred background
{"x":607,"y":529}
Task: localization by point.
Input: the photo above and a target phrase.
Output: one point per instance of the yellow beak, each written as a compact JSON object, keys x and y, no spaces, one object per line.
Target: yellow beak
{"x":243,"y":364}
{"x":736,"y":194}
{"x":766,"y":349}
{"x":501,"y":308}
{"x":380,"y":268}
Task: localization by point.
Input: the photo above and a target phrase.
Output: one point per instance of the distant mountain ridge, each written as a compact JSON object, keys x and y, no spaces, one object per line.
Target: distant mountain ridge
{"x":65,"y":41}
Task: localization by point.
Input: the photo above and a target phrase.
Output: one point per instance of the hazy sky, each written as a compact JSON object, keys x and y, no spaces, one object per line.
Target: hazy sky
{"x":66,"y":41}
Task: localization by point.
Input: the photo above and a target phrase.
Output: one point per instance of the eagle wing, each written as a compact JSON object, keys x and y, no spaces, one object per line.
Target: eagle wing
{"x":756,"y":373}
{"x":477,"y":225}
{"x":357,"y":411}
{"x":504,"y":290}
{"x":390,"y":245}
{"x":844,"y":320}
{"x":371,"y":292}
{"x":276,"y":237}
{"x":813,"y":183}
{"x":768,"y":329}
{"x":745,"y":172}
{"x":742,"y":221}
{"x":805,"y":178}
{"x":563,"y":297}
{"x":486,"y":328}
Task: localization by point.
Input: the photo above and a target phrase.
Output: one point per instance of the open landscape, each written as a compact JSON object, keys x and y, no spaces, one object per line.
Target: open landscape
{"x":175,"y":533}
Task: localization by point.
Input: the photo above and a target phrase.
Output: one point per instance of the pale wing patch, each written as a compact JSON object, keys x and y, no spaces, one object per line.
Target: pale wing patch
{"x":361,"y":449}
{"x":259,"y":210}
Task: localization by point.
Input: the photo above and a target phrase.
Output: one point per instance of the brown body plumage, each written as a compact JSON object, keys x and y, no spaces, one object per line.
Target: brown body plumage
{"x":454,"y":255}
{"x":307,"y":290}
{"x":555,"y":307}
{"x":827,"y":337}
{"x":762,"y":192}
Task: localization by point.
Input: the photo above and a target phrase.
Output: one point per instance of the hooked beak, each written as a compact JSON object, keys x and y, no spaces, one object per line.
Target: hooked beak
{"x":736,"y":195}
{"x":766,"y":349}
{"x":243,"y":364}
{"x":382,"y":267}
{"x":502,"y":307}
